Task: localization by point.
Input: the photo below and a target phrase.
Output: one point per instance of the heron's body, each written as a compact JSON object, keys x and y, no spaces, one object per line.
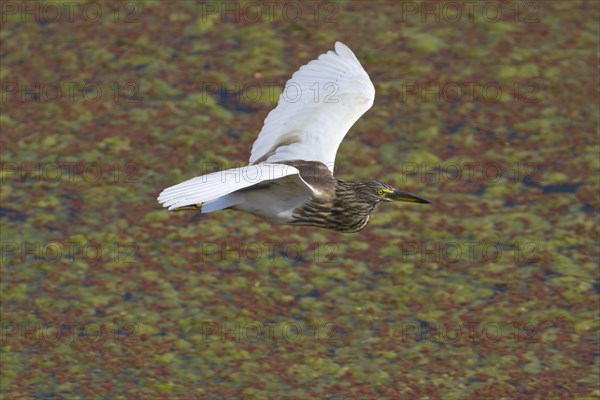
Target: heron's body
{"x":286,"y":202}
{"x":290,"y":176}
{"x":277,"y":201}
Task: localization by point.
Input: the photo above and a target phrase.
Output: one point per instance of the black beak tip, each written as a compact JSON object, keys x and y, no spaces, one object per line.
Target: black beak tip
{"x":411,"y":198}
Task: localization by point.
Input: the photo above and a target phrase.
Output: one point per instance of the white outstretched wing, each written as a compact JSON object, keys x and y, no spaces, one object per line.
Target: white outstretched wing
{"x":319,"y":104}
{"x":209,"y":187}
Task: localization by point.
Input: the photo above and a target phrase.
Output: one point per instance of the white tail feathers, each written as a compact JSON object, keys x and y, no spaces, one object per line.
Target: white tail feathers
{"x":212,"y":190}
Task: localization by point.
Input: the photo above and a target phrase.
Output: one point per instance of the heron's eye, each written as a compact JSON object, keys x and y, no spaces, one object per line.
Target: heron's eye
{"x":380,"y":192}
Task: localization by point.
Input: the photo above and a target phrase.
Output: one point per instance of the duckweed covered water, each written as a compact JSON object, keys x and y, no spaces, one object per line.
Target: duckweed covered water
{"x":491,"y":292}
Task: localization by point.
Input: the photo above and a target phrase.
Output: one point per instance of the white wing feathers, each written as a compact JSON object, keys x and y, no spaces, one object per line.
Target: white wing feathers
{"x":206,"y":188}
{"x":319,"y":104}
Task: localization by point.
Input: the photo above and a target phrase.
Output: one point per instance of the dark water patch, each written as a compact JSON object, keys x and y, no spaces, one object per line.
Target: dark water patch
{"x":12,"y":215}
{"x":451,"y":148}
{"x":562,"y":188}
{"x":512,"y":135}
{"x":550,"y":189}
{"x":232,"y":134}
{"x":232,"y":101}
{"x":501,"y":287}
{"x":48,"y":395}
{"x":73,"y":203}
{"x":197,"y":217}
{"x":453,"y":129}
{"x":315,"y":294}
{"x":586,"y":208}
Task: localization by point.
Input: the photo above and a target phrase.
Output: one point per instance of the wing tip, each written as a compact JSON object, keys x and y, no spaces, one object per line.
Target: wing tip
{"x":343,"y":50}
{"x":340,"y":46}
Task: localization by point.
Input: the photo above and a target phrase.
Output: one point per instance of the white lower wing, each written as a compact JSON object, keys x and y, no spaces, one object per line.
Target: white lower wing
{"x":319,"y":104}
{"x":212,"y":186}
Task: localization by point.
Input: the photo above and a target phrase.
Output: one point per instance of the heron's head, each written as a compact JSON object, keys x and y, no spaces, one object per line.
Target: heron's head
{"x":378,"y":192}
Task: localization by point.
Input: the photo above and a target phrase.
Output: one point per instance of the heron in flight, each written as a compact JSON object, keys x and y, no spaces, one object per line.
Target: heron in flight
{"x":289,"y":179}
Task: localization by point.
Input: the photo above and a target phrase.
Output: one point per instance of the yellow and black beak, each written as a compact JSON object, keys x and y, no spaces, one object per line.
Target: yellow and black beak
{"x":396,"y":195}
